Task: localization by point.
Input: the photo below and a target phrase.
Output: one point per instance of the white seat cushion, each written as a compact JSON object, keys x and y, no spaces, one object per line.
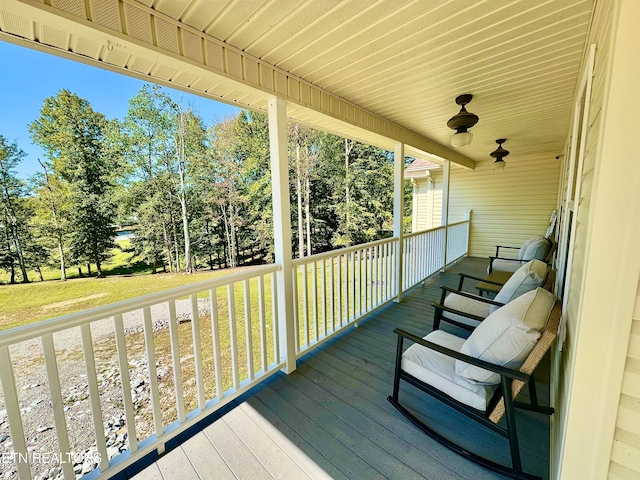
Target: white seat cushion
{"x":467,"y":305}
{"x":439,"y":371}
{"x":528,"y":277}
{"x":506,"y":336}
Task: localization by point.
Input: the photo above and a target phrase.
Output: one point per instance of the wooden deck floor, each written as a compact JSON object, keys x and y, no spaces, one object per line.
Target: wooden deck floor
{"x":331,"y":419}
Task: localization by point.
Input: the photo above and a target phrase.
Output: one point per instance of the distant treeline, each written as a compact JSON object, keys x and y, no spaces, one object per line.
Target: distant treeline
{"x":199,"y":195}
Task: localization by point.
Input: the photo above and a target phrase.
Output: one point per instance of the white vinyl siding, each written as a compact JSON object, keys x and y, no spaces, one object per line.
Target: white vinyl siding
{"x":508,"y":206}
{"x":423,"y":204}
{"x":600,"y":34}
{"x":625,"y":455}
{"x":596,"y":427}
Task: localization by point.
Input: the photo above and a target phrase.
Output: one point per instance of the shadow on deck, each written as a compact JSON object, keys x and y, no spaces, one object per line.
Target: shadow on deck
{"x":331,"y":419}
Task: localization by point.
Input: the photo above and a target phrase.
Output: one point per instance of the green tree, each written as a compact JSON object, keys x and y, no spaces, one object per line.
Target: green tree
{"x":52,"y":213}
{"x":14,"y":221}
{"x":80,"y":153}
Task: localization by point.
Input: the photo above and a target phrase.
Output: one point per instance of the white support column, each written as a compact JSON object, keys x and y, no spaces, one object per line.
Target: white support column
{"x":282,"y":228}
{"x":398,"y":210}
{"x":469,"y":212}
{"x":445,"y":207}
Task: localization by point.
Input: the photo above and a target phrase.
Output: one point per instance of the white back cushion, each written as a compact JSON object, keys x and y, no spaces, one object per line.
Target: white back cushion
{"x":536,"y":247}
{"x":506,"y":336}
{"x":528,"y":277}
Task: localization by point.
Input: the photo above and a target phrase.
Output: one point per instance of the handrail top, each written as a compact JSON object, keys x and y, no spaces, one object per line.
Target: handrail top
{"x":421,"y":232}
{"x":441,"y":227}
{"x":64,"y":322}
{"x":340,"y":251}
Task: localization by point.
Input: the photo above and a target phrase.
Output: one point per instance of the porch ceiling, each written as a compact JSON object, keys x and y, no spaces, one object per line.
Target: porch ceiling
{"x":401,"y":62}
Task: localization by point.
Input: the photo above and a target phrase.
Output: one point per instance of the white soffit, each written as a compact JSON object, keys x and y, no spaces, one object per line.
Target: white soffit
{"x":379,"y":71}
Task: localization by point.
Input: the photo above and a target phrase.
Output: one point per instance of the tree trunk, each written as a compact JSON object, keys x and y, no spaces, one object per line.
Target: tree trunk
{"x":39,"y":270}
{"x":12,"y":276}
{"x":63,"y":269}
{"x":188,"y":267}
{"x":167,"y":246}
{"x":176,"y":246}
{"x":54,"y":211}
{"x":307,"y":194}
{"x":347,"y":152}
{"x":18,"y":246}
{"x":88,"y":269}
{"x":299,"y":192}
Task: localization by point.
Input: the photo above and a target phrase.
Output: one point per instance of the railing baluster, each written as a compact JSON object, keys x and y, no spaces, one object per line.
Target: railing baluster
{"x":314,"y":299}
{"x":153,"y":375}
{"x":362,"y":295}
{"x":94,"y":395}
{"x":370,"y":284}
{"x":175,"y":358}
{"x":360,"y":282}
{"x":305,"y":305}
{"x":376,"y":284}
{"x":383,"y":272}
{"x":263,"y":323}
{"x":332,"y":299}
{"x":346,"y":289}
{"x":12,"y":405}
{"x":121,"y":348}
{"x":421,"y":261}
{"x":215,"y":340}
{"x":296,"y":309}
{"x":248,"y":327}
{"x":352,"y":284}
{"x":324,"y":296}
{"x":53,"y":379}
{"x":274,"y":318}
{"x":231,"y":302}
{"x":197,"y":350}
{"x":339,"y":309}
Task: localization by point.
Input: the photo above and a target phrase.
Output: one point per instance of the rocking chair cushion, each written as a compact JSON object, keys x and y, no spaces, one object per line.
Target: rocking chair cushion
{"x":528,"y":277}
{"x":439,"y":371}
{"x":534,"y":248}
{"x":467,"y":305}
{"x":506,"y":336}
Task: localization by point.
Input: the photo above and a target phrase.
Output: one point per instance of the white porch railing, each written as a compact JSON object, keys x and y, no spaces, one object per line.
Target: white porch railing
{"x":457,"y":240}
{"x":231,"y":344}
{"x":333,"y":290}
{"x":423,"y":255}
{"x":178,"y":355}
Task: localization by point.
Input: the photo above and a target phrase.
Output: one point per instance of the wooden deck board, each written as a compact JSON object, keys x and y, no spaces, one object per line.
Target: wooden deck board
{"x":240,"y":460}
{"x":274,"y":459}
{"x":205,"y":458}
{"x":331,"y":419}
{"x":177,"y":465}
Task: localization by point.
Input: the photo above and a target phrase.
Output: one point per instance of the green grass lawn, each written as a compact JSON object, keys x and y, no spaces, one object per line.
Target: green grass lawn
{"x":126,"y":278}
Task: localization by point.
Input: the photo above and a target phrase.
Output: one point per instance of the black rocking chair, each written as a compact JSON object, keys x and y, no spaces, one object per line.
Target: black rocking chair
{"x":501,"y":404}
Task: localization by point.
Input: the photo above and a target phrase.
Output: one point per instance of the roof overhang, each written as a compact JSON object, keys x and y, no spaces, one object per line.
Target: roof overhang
{"x":141,"y":42}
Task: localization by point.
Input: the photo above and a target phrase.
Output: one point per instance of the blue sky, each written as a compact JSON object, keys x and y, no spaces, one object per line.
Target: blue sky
{"x":29,"y":76}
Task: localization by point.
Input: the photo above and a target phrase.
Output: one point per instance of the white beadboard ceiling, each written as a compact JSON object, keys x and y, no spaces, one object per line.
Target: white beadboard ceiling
{"x":404,"y":61}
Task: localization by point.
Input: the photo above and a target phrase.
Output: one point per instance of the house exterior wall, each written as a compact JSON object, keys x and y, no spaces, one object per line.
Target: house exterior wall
{"x":596,"y":429}
{"x":509,"y":206}
{"x":427,"y":204}
{"x":625,"y":454}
